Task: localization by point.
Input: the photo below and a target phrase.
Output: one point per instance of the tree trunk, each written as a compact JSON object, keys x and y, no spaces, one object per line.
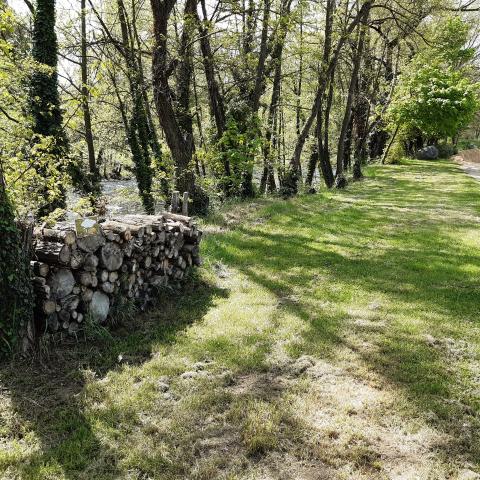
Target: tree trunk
{"x":325,"y":74}
{"x":85,"y":95}
{"x":44,"y":99}
{"x":174,"y":119}
{"x":340,"y":180}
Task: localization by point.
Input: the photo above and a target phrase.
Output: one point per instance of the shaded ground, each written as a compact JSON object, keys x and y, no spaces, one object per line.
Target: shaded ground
{"x":334,"y":336}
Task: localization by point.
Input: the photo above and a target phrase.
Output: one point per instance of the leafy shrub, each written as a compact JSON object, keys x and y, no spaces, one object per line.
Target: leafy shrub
{"x":396,"y":153}
{"x":446,"y":150}
{"x":16,"y":296}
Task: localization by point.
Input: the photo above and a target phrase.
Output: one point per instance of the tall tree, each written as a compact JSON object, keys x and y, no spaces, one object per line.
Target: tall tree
{"x":87,"y":118}
{"x":173,"y":108}
{"x":345,"y":133}
{"x":45,"y":99}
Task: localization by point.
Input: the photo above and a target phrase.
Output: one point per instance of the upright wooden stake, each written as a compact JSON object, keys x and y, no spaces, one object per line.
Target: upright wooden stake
{"x":185,"y":204}
{"x":175,"y":201}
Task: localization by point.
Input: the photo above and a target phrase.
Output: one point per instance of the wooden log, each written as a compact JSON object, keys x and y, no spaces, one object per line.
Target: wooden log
{"x":108,"y":287}
{"x":136,"y":228}
{"x":147,"y":262}
{"x":91,"y":243}
{"x":103,"y":276}
{"x":70,"y":302}
{"x":144,"y":222}
{"x":49,"y":307}
{"x":111,"y":256}
{"x":118,"y":228}
{"x":64,"y":316}
{"x":100,"y":306}
{"x":52,"y":252}
{"x":178,"y":218}
{"x":113,"y":276}
{"x":155,"y":221}
{"x":67,"y":237}
{"x":87,"y":295}
{"x":185,"y":204}
{"x":73,"y":328}
{"x":85,"y":278}
{"x":61,"y":283}
{"x":39,"y":268}
{"x":159,"y":281}
{"x":174,"y":205}
{"x":90,"y":262}
{"x":77,"y":259}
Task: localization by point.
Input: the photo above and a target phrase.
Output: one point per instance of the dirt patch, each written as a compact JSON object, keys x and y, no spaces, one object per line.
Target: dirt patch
{"x":469,"y":161}
{"x":471,"y":156}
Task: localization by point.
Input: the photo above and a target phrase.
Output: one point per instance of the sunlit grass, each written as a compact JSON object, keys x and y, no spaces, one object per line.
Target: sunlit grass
{"x":378,"y":284}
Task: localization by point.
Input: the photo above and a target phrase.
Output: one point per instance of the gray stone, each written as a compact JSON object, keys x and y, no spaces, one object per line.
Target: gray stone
{"x":428,"y":153}
{"x":468,"y":474}
{"x":301,"y":365}
{"x":163,"y":387}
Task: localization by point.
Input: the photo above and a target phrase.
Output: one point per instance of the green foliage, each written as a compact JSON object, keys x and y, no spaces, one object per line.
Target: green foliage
{"x":437,"y":101}
{"x":446,"y":149}
{"x":437,"y":97}
{"x":44,"y":101}
{"x":16,"y":305}
{"x":448,"y":42}
{"x":396,"y":152}
{"x":34,"y":178}
{"x":236,"y":151}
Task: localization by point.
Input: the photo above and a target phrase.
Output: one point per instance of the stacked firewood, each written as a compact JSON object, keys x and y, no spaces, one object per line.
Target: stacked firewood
{"x":127,"y":258}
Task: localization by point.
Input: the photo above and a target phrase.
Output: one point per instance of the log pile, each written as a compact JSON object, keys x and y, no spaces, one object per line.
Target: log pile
{"x":130,"y":257}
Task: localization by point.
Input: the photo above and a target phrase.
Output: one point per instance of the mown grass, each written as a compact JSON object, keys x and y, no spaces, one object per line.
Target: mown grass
{"x":379,"y":285}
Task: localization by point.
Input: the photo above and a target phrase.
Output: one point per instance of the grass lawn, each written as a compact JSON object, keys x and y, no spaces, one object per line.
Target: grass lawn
{"x":333,"y":336}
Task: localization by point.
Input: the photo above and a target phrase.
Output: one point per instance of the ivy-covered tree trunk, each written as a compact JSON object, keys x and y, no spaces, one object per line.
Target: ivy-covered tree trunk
{"x":44,"y":97}
{"x":139,"y":136}
{"x":16,"y":304}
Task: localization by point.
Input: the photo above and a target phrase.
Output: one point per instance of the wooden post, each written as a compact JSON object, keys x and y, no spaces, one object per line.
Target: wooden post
{"x":175,"y":201}
{"x":185,"y":204}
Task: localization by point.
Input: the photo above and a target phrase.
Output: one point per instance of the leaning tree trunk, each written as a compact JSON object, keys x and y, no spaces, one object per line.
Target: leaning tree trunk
{"x":340,"y":180}
{"x":173,"y":116}
{"x":294,"y":173}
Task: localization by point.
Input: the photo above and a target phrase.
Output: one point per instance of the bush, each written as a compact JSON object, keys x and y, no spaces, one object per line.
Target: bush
{"x":16,"y":296}
{"x":446,"y":150}
{"x":396,"y":153}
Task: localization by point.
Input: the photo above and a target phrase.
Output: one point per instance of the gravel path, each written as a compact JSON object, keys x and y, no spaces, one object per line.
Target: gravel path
{"x":473,"y":169}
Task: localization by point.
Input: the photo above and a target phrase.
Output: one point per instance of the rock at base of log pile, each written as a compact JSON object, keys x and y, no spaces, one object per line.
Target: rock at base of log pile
{"x":79,"y":278}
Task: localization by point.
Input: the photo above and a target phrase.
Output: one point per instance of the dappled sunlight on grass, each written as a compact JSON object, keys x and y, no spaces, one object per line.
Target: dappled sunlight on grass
{"x":378,"y":285}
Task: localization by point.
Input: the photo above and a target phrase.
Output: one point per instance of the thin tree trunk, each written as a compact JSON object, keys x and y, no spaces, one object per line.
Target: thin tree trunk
{"x":324,"y":146}
{"x":340,"y":180}
{"x":85,"y":92}
{"x":295,"y":165}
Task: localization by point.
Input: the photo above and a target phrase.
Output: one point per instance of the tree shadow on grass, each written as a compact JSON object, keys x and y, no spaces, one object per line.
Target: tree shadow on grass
{"x":47,"y":398}
{"x":421,"y":267}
